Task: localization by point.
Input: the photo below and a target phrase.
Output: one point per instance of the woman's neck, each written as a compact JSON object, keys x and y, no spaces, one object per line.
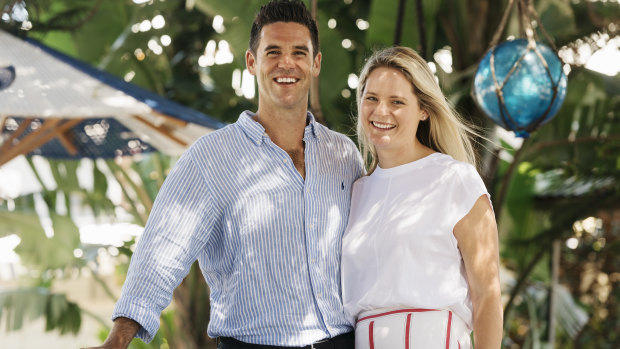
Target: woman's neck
{"x":389,"y":158}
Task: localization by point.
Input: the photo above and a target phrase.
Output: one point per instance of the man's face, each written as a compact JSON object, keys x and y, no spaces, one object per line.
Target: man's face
{"x":283,"y":66}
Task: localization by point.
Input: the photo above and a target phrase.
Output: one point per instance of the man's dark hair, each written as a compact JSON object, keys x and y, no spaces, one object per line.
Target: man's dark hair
{"x":283,"y":11}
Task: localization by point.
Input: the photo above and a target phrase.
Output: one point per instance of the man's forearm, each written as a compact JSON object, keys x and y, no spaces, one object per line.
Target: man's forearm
{"x":122,"y":333}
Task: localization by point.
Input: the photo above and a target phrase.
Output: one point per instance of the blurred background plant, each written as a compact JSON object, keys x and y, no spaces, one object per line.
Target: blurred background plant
{"x":555,"y":193}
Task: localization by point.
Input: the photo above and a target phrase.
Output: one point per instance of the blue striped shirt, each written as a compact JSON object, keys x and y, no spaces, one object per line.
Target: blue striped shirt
{"x":268,"y":242}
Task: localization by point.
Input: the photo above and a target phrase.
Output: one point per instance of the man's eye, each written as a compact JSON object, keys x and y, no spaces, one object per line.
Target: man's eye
{"x":271,"y":53}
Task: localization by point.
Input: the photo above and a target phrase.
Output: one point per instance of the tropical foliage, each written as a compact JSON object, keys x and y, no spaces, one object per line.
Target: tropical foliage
{"x":561,"y":184}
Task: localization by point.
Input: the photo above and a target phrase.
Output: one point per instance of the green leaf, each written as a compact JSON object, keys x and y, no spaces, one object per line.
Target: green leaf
{"x":238,"y":16}
{"x":65,"y":174}
{"x":557,"y":17}
{"x":382,"y":20}
{"x":55,"y":309}
{"x":19,"y":222}
{"x":36,"y":250}
{"x":29,"y":304}
{"x":106,"y":24}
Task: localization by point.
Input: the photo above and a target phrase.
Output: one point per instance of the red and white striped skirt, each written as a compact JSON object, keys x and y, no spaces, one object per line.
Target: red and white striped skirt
{"x":411,"y":329}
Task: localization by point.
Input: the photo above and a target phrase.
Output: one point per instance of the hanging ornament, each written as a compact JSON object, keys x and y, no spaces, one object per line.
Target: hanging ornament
{"x":520,"y":84}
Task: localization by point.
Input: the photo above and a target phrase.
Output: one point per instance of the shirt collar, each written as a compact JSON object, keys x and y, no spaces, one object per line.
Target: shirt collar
{"x":312,"y":129}
{"x":256,"y":132}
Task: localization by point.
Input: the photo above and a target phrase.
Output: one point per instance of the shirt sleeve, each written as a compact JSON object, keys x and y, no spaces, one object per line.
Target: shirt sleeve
{"x":355,"y":160}
{"x":468,"y":187}
{"x":176,"y":231}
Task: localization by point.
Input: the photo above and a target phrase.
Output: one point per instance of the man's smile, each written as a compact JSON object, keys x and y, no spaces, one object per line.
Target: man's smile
{"x":285,"y":80}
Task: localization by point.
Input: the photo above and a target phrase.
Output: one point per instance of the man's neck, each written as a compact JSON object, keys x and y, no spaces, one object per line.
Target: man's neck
{"x":284,"y":127}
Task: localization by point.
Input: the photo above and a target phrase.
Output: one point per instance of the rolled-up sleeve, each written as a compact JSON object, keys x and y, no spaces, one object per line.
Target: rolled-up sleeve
{"x":176,"y":231}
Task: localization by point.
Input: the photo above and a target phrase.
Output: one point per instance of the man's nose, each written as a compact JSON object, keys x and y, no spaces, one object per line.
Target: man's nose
{"x":286,"y":61}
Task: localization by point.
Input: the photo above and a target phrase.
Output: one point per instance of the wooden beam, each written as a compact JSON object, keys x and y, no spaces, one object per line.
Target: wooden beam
{"x":50,"y":129}
{"x":164,"y":130}
{"x":67,"y":142}
{"x":2,"y":121}
{"x":24,"y":145}
{"x":20,"y":129}
{"x":171,"y":120}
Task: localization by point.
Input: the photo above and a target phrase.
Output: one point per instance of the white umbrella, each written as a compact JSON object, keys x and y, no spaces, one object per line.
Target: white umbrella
{"x":56,"y":99}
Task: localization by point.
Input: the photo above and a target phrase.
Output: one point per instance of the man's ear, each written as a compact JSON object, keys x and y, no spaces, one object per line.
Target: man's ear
{"x":316,"y":65}
{"x":250,"y":62}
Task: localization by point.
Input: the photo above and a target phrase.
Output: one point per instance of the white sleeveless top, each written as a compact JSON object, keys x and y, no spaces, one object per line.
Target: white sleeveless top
{"x":399,"y":249}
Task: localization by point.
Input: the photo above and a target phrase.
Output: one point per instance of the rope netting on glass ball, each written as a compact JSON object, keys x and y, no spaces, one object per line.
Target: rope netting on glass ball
{"x":520,"y":84}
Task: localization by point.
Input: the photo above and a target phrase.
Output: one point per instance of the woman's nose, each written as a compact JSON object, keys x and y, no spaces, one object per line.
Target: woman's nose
{"x":382,"y":108}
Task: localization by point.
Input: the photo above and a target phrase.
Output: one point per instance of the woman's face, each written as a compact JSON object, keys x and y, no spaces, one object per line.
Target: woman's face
{"x":390,"y":112}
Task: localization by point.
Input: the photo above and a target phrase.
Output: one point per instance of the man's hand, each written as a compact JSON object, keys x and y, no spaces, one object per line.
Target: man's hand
{"x":122,"y":333}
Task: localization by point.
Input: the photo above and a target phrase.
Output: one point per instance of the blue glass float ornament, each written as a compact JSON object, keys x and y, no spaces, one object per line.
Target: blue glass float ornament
{"x":520,"y":85}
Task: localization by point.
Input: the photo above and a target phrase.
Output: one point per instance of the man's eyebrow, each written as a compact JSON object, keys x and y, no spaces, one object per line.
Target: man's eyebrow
{"x":297,"y":47}
{"x":272,"y":47}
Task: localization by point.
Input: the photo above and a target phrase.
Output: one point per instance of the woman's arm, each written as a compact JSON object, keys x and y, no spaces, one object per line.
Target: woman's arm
{"x":477,"y":240}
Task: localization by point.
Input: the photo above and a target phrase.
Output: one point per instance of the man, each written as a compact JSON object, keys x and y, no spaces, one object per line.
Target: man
{"x":261,"y":204}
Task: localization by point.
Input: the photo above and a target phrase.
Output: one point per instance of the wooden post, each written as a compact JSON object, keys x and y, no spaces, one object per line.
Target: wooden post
{"x":555,"y":275}
{"x":400,"y":17}
{"x":315,"y":100}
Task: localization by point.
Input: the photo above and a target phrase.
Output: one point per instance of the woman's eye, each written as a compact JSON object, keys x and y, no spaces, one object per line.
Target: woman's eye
{"x":371,"y":99}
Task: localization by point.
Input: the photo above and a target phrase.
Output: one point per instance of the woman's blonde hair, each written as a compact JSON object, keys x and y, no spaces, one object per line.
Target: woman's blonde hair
{"x":443,"y":131}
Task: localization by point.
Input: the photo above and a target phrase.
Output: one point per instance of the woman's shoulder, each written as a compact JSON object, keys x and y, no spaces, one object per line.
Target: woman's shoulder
{"x":448,"y":163}
{"x":360,"y":182}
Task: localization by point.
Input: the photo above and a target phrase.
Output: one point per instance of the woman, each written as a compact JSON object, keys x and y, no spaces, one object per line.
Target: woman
{"x":420,"y":261}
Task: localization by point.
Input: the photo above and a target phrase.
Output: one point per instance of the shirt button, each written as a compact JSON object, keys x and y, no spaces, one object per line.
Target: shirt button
{"x":310,"y":226}
{"x":320,"y":295}
{"x":284,"y":161}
